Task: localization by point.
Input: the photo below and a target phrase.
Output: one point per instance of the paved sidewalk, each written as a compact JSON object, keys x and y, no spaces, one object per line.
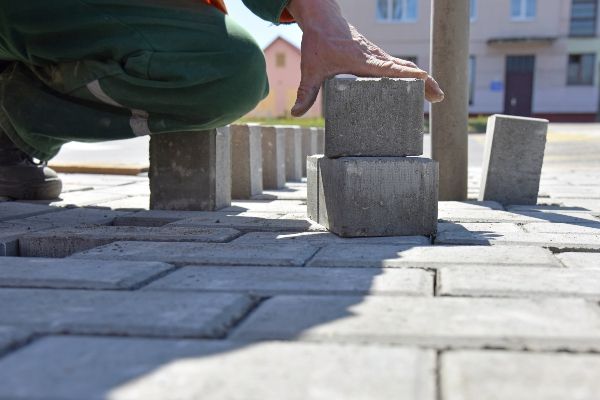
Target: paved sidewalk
{"x":256,"y":302}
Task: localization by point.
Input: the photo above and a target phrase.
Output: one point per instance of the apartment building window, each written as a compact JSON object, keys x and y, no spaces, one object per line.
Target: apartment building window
{"x":472,"y":70}
{"x":397,"y":10}
{"x":583,"y":17}
{"x":523,"y":9}
{"x":581,"y":69}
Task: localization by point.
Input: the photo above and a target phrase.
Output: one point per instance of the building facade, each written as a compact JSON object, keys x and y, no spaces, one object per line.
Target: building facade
{"x":528,"y":57}
{"x":283,"y":69}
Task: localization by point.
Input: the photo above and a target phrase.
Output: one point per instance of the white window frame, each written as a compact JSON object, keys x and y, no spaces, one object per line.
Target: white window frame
{"x":391,"y":20}
{"x":523,"y":14}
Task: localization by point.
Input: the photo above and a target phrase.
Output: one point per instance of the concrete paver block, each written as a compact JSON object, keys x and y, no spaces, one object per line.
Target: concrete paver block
{"x":11,"y":336}
{"x":122,"y":313}
{"x":190,"y":170}
{"x":439,"y":322}
{"x":485,"y":281}
{"x":10,"y":234}
{"x":246,"y":161}
{"x":321,"y":239}
{"x":519,"y":375}
{"x":269,"y":281}
{"x":64,"y":242}
{"x":580,"y":260}
{"x":376,"y":196}
{"x":293,"y":153}
{"x":73,"y":217}
{"x":15,"y":210}
{"x":320,"y":140}
{"x":266,"y":223}
{"x":77,"y":274}
{"x":591,"y":228}
{"x":205,"y":253}
{"x":309,"y":145}
{"x":430,"y":257}
{"x":133,"y":368}
{"x":283,"y":206}
{"x":514,"y":153}
{"x":375,"y":117}
{"x":273,"y":152}
{"x":448,"y":206}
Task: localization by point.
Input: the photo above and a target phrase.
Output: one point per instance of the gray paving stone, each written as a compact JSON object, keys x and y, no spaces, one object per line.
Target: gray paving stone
{"x":83,"y":198}
{"x":126,"y":368}
{"x":524,"y":217}
{"x":75,"y":217}
{"x":580,"y":260}
{"x":158,"y":218}
{"x":439,"y":322}
{"x":122,"y":313}
{"x":312,"y":188}
{"x":374,"y":117}
{"x":375,"y":196}
{"x":269,"y":281}
{"x":469,"y":205}
{"x":293,"y":153}
{"x":487,"y":228}
{"x":513,"y":158}
{"x":130,"y":203}
{"x":555,"y":241}
{"x":430,"y":257}
{"x":249,"y":224}
{"x":283,"y":206}
{"x":11,"y":336}
{"x":205,"y":253}
{"x":77,"y":274}
{"x":66,"y":241}
{"x":470,"y":375}
{"x":309,"y":145}
{"x":15,"y":210}
{"x":11,"y":232}
{"x":324,"y":238}
{"x":246,"y":161}
{"x":273,"y":150}
{"x":485,"y":281}
{"x":591,"y":228}
{"x":190,"y":170}
{"x":285,"y":193}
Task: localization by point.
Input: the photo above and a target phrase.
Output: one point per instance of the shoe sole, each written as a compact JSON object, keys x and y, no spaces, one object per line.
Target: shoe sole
{"x":49,"y":190}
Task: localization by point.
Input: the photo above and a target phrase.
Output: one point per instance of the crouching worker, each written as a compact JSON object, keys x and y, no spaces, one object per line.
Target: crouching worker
{"x":98,"y":70}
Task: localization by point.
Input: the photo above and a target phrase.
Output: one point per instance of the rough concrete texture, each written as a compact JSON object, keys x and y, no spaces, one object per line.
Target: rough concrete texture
{"x":64,"y":242}
{"x":273,"y":152}
{"x":312,"y":187}
{"x":309,"y":145}
{"x":74,"y":217}
{"x":376,"y":196}
{"x":190,"y":170}
{"x":470,"y":375}
{"x":484,"y":281}
{"x":246,"y":161}
{"x":216,"y":370}
{"x":374,"y":117}
{"x":269,"y":281}
{"x":293,"y":153}
{"x":10,"y":234}
{"x":440,"y":322}
{"x":266,"y":223}
{"x":580,"y":260}
{"x":14,"y":210}
{"x":321,"y":239}
{"x":514,"y":153}
{"x":294,"y":254}
{"x":122,"y":313}
{"x":430,"y":257}
{"x":77,"y":274}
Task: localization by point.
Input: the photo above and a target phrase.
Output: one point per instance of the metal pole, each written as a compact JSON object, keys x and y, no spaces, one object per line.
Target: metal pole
{"x":450,"y":24}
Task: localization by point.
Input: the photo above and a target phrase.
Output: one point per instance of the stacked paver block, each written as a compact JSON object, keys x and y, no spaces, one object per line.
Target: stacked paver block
{"x":246,"y":161}
{"x":273,"y":153}
{"x":513,"y":158}
{"x":190,"y":171}
{"x":309,"y":145}
{"x":320,"y":132}
{"x":365,"y":185}
{"x":293,"y":153}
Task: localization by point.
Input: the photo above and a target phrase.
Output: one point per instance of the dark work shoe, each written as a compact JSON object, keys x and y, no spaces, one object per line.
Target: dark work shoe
{"x":21,"y":178}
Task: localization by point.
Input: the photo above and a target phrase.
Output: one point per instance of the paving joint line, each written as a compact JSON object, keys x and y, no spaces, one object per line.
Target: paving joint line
{"x":154,"y":278}
{"x":258,"y":301}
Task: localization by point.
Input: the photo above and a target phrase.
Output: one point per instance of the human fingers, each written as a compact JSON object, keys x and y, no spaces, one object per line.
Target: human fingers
{"x":307,"y":94}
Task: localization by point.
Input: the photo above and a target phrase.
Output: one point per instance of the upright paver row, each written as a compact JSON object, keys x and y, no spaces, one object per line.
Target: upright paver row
{"x":365,"y":184}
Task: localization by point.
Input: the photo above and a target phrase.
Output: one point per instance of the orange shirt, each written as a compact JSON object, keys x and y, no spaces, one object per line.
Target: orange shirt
{"x":285,"y":17}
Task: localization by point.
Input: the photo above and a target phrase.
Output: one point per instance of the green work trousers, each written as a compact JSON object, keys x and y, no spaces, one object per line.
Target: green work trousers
{"x":96,"y":70}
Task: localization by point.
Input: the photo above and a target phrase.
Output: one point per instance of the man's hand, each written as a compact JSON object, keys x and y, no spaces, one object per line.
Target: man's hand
{"x":331,"y":46}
